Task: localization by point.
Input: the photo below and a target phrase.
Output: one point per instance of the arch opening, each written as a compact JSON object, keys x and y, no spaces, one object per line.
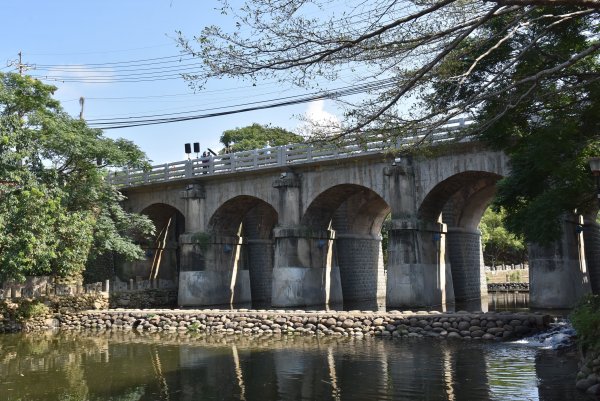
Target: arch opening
{"x":162,"y":251}
{"x":241,"y":247}
{"x":355,"y":215}
{"x":459,"y":203}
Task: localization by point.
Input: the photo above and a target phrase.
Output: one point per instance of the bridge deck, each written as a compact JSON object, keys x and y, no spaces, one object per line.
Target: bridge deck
{"x":292,"y":154}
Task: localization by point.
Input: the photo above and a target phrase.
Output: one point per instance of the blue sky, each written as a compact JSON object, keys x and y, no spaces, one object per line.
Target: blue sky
{"x":79,"y":40}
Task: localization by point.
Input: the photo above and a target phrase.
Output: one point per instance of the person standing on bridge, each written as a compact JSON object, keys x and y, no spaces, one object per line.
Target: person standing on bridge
{"x":205,"y":160}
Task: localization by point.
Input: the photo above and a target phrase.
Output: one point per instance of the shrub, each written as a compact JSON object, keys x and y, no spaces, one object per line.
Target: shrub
{"x":586,"y":320}
{"x":31,"y":309}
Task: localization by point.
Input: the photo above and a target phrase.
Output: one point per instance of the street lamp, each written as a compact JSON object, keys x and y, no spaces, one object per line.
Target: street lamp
{"x":595,"y":167}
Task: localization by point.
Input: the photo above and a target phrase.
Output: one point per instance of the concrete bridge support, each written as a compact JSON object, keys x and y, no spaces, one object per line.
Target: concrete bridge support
{"x":558,"y":275}
{"x":222,"y":279}
{"x":260,"y":254}
{"x":304,"y":273}
{"x":466,"y":259}
{"x":418,"y":274}
{"x":362,"y":274}
{"x":591,"y":238}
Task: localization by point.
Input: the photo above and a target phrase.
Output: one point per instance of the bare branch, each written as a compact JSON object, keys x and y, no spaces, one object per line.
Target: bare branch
{"x":552,"y":3}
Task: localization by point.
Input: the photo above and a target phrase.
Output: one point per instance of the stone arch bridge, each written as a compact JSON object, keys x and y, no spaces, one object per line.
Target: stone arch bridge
{"x":299,"y":226}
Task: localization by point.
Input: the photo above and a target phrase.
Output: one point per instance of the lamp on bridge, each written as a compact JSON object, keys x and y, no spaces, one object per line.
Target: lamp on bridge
{"x":595,"y":167}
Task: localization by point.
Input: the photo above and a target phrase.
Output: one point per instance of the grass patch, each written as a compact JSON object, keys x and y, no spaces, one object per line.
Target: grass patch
{"x":586,"y":320}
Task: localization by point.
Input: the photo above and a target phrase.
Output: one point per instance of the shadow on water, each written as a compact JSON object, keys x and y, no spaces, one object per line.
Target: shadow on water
{"x":496,"y":301}
{"x":511,"y":301}
{"x":185,"y":366}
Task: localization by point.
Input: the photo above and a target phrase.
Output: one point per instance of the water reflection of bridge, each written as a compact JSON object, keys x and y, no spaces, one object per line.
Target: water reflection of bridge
{"x":184,"y":367}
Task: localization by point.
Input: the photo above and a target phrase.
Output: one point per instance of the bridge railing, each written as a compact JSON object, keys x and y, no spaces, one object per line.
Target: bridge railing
{"x":297,"y":153}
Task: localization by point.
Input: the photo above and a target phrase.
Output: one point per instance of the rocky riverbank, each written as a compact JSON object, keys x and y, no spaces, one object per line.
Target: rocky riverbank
{"x":463,"y":325}
{"x":588,"y":377}
{"x":502,"y":287}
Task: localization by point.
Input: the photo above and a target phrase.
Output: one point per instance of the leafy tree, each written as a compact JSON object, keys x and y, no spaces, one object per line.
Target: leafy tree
{"x":256,"y":136}
{"x":500,"y":245}
{"x":526,"y":70}
{"x":56,"y":209}
{"x":548,"y":125}
{"x":388,"y":51}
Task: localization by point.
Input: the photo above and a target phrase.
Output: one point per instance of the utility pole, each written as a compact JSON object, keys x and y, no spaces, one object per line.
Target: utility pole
{"x":20,"y":63}
{"x":81,"y":103}
{"x":21,"y":67}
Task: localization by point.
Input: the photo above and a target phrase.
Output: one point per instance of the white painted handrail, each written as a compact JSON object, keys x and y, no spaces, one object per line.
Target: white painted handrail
{"x":292,"y":154}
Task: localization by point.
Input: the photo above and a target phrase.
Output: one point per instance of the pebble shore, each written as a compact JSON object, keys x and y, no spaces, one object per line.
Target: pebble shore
{"x":460,"y":325}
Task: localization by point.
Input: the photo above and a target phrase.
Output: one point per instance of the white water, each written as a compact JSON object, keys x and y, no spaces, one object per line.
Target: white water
{"x":560,"y":335}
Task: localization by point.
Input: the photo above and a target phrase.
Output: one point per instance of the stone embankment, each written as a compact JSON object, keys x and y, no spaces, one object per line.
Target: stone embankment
{"x":464,"y":325}
{"x":588,"y":377}
{"x":492,"y":287}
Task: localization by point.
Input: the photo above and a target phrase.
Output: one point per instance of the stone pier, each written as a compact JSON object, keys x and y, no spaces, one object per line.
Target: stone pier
{"x":466,"y":260}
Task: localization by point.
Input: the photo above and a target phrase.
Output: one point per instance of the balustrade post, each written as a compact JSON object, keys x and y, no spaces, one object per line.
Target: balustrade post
{"x":189,"y":169}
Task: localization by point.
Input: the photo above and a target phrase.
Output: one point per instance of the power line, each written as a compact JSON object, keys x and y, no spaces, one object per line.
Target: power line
{"x":122,"y":62}
{"x":108,"y":79}
{"x":94,"y":67}
{"x":99,"y":52}
{"x":82,"y":68}
{"x":108,"y":75}
{"x":96,"y":121}
{"x":211,"y":102}
{"x":356,"y":89}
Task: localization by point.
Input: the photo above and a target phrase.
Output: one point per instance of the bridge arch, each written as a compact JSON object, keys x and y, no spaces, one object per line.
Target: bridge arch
{"x":470,"y":192}
{"x":138,"y":204}
{"x":230,"y":215}
{"x":355,"y":214}
{"x":459,"y":202}
{"x":163,"y":254}
{"x":241,"y":231}
{"x":369,"y":208}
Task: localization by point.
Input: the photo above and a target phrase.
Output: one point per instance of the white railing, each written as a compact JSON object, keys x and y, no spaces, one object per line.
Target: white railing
{"x":278,"y":156}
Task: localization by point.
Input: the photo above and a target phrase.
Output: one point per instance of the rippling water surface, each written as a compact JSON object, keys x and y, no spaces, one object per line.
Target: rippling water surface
{"x":129,"y":366}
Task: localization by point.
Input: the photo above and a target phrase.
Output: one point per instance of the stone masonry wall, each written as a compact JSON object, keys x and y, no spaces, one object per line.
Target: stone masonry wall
{"x":460,"y":325}
{"x":468,"y":275}
{"x":26,"y":314}
{"x":260,"y":257}
{"x":361,"y":269}
{"x":147,"y":298}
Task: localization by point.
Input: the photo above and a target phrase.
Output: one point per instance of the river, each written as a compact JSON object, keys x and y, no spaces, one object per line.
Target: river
{"x":186,"y":366}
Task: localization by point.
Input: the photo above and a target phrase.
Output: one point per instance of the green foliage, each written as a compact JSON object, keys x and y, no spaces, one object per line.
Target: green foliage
{"x":514,"y":277}
{"x":22,"y":310}
{"x":548,"y":126}
{"x":202,"y":239}
{"x":31,"y":309}
{"x":500,"y":246}
{"x":256,"y":136}
{"x":194,"y":327}
{"x":56,"y":209}
{"x":586,"y":320}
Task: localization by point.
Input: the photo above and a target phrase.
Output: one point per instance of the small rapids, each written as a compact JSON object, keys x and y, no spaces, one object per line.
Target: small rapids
{"x":560,"y":335}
